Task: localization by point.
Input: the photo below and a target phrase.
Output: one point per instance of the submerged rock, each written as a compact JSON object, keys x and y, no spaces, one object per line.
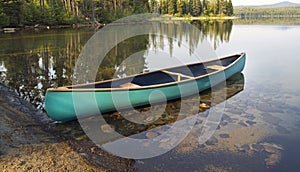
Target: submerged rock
{"x":243,"y":124}
{"x":257,"y":147}
{"x":199,"y":122}
{"x":203,"y":114}
{"x":212,"y":141}
{"x":250,"y":116}
{"x":106,"y":128}
{"x":149,"y":119}
{"x":272,"y":148}
{"x":151,"y":134}
{"x":204,"y":106}
{"x":223,"y":123}
{"x":250,"y":122}
{"x":225,"y":117}
{"x":273,"y":159}
{"x":224,"y":135}
{"x":234,"y":111}
{"x":245,"y":148}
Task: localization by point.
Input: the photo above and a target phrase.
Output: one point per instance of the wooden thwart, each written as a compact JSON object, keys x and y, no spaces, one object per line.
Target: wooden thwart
{"x":216,"y":67}
{"x":129,"y":85}
{"x":179,"y":75}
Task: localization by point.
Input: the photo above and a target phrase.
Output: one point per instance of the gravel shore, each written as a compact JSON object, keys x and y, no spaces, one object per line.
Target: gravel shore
{"x":26,"y":146}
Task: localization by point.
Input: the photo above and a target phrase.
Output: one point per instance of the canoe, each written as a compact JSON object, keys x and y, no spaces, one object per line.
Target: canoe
{"x":79,"y":101}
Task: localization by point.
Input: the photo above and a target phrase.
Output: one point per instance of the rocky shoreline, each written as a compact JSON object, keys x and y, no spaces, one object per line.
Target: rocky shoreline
{"x":29,"y":143}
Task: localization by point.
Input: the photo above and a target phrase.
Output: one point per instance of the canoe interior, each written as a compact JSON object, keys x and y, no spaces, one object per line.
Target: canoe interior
{"x":163,"y":76}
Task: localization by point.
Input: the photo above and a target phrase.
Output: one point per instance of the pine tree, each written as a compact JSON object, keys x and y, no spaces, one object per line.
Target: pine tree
{"x":200,"y":7}
{"x":172,"y":7}
{"x":153,"y":6}
{"x":223,"y":7}
{"x":210,"y":8}
{"x":197,"y":8}
{"x":205,"y":7}
{"x":181,"y":7}
{"x":4,"y":18}
{"x":160,"y":6}
{"x":164,"y":6}
{"x":216,"y":7}
{"x":194,"y":10}
{"x":229,"y":8}
{"x":190,"y":7}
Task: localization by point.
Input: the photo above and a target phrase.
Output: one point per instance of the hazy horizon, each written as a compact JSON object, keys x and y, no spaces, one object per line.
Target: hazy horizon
{"x":259,"y":2}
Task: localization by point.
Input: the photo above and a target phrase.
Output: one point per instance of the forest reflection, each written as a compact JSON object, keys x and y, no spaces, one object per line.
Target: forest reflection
{"x":31,"y":62}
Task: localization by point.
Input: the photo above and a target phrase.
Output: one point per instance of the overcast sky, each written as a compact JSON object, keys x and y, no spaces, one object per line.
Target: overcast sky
{"x":259,"y":2}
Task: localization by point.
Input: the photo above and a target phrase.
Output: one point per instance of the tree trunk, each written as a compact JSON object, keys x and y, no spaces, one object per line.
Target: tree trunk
{"x":115,"y":7}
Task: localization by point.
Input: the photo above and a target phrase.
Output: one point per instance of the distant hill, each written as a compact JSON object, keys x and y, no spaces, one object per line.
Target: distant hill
{"x":283,"y":4}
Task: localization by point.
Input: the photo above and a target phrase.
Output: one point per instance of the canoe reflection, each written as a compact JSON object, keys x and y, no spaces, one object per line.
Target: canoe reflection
{"x":156,"y":125}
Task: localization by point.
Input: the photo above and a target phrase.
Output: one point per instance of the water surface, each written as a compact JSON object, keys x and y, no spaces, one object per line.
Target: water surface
{"x":259,"y":127}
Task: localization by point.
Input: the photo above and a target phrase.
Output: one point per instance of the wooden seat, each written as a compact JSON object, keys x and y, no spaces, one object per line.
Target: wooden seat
{"x":216,"y":67}
{"x":129,"y":85}
{"x":179,"y":75}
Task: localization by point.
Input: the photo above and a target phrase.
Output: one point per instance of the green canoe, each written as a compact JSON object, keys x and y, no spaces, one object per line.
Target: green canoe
{"x":78,"y":101}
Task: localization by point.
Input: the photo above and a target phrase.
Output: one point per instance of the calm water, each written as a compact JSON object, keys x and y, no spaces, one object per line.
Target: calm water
{"x":259,"y":129}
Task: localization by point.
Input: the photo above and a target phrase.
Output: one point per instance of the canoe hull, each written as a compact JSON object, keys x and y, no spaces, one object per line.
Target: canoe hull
{"x":71,"y":105}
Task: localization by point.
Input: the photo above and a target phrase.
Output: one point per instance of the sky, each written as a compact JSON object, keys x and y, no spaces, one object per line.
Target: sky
{"x":259,"y":2}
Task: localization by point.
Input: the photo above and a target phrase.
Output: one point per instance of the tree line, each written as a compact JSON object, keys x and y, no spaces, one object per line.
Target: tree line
{"x":267,"y":12}
{"x":192,"y":7}
{"x":57,"y":12}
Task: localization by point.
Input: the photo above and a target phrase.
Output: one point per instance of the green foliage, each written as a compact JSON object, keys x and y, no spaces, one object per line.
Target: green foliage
{"x":229,"y":8}
{"x":56,"y":12}
{"x":31,"y":14}
{"x":267,"y":12}
{"x":197,"y":8}
{"x":181,"y":8}
{"x":4,"y":19}
{"x":223,"y":7}
{"x":172,"y":7}
{"x":12,"y":9}
{"x":205,"y":7}
{"x":153,"y":5}
{"x":107,"y":11}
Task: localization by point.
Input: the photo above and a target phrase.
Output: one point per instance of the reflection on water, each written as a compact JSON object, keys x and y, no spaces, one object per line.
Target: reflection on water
{"x":269,"y":21}
{"x":118,"y":121}
{"x":31,"y":62}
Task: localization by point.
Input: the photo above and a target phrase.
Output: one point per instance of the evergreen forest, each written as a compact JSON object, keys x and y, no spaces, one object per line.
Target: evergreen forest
{"x":18,"y":13}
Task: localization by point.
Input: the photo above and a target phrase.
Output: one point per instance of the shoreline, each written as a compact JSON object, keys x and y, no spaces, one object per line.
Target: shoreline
{"x":47,"y":27}
{"x":26,"y":145}
{"x":31,"y":141}
{"x":208,"y":18}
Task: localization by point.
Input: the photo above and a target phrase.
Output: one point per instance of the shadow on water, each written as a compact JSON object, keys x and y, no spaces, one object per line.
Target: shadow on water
{"x":82,"y":144}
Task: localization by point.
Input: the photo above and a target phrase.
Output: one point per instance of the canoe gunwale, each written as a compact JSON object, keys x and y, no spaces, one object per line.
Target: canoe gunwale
{"x":190,"y":79}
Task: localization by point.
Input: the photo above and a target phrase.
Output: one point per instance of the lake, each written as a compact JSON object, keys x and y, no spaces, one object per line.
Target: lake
{"x":258,"y":129}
